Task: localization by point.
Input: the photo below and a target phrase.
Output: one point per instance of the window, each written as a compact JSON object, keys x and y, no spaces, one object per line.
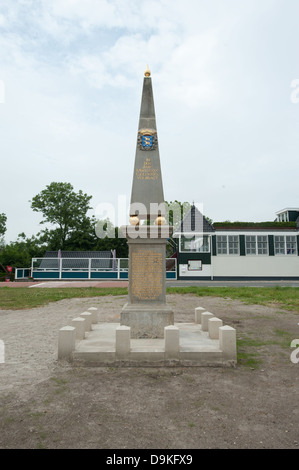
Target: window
{"x":262,"y":245}
{"x":194,"y":265}
{"x":291,"y":245}
{"x":256,"y":245}
{"x":227,"y":244}
{"x":222,"y":244}
{"x":284,"y":217}
{"x":279,"y":245}
{"x":233,"y":244}
{"x":250,"y":243}
{"x":285,"y":245}
{"x":198,"y":244}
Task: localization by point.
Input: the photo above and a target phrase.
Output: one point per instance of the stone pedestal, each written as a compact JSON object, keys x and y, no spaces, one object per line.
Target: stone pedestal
{"x":147,"y":321}
{"x":146,"y":311}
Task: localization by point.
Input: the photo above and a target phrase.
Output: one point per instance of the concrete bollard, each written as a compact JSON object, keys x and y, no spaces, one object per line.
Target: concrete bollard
{"x":122,"y":342}
{"x":205,"y":316}
{"x":172,"y":342}
{"x":198,"y":312}
{"x":79,"y":324}
{"x":88,"y":320}
{"x":214,"y":324}
{"x":66,"y":342}
{"x":93,"y":311}
{"x":228,"y":342}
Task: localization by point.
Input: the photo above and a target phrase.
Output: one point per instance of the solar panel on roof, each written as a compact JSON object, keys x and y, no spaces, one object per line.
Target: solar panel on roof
{"x":77,"y":260}
{"x":79,"y":254}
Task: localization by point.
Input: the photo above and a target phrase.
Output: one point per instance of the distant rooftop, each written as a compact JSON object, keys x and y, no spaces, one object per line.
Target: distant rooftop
{"x":194,"y":221}
{"x":296,"y":209}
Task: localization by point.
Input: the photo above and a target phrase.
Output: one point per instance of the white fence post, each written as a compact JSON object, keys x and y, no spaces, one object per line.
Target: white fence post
{"x":227,"y":342}
{"x":88,"y":318}
{"x":122,"y":342}
{"x":66,"y":342}
{"x":205,"y":316}
{"x":172,"y":342}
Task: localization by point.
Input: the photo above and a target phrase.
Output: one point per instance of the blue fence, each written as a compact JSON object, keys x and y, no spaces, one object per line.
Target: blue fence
{"x":83,"y":269}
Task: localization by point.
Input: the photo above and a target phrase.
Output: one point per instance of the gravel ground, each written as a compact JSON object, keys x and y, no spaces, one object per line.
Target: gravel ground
{"x":49,"y":404}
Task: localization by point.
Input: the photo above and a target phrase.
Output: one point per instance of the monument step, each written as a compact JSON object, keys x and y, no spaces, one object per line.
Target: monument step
{"x":195,"y":348}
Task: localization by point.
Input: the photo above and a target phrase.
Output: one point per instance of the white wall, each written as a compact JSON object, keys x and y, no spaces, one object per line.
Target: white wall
{"x":284,"y":265}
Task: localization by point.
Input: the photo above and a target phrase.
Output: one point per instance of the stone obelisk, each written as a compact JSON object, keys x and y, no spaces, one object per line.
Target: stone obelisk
{"x":146,"y":311}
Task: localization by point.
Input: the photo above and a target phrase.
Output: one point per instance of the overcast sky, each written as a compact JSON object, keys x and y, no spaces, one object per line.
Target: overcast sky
{"x":226,"y":87}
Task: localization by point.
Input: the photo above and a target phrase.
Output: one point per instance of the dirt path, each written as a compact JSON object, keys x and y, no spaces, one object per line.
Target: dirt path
{"x":49,"y":404}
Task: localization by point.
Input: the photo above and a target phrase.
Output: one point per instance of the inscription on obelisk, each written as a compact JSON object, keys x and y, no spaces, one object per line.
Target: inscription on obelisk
{"x":146,"y":266}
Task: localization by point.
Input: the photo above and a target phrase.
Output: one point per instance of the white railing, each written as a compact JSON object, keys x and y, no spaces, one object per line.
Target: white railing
{"x":88,"y":268}
{"x":22,"y":273}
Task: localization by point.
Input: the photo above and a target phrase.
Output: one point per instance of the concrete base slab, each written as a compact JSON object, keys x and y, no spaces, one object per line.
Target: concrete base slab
{"x":196,"y":348}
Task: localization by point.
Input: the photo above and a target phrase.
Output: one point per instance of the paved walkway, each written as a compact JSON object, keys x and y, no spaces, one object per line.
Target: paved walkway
{"x":169,"y":283}
{"x":65,"y":284}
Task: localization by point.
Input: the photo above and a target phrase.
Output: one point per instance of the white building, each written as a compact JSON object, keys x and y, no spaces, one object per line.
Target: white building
{"x":238,"y":250}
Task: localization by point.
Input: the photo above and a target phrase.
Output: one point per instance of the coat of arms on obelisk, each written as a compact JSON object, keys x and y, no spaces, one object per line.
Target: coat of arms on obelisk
{"x":147,"y":139}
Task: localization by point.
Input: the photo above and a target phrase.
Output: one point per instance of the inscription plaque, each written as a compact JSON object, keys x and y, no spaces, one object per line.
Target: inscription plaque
{"x":146,"y":275}
{"x":147,"y":172}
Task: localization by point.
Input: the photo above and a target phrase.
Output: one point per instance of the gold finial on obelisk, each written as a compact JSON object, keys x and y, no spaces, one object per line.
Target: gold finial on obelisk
{"x":147,"y":73}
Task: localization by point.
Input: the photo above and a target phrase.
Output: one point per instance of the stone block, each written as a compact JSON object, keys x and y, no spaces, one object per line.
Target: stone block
{"x":88,"y":320}
{"x":79,"y":324}
{"x":228,"y":342}
{"x":172,"y":342}
{"x":122,"y":342}
{"x":147,"y":321}
{"x":205,"y":316}
{"x":198,"y":312}
{"x":145,"y":358}
{"x":214,"y":324}
{"x":66,"y":342}
{"x":94,"y":312}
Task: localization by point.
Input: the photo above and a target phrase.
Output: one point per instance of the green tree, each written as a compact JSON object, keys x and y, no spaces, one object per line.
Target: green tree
{"x":3,"y":220}
{"x":108,"y":238}
{"x":62,"y":207}
{"x":84,"y":238}
{"x":19,"y":254}
{"x":176,"y":211}
{"x":117,"y":243}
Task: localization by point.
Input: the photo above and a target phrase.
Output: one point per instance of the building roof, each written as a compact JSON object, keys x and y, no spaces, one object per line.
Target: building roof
{"x":194,"y":221}
{"x":255,"y":226}
{"x":287,"y":209}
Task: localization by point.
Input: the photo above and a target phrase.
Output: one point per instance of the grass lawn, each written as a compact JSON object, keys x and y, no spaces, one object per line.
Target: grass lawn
{"x":24,"y":298}
{"x":281,"y":297}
